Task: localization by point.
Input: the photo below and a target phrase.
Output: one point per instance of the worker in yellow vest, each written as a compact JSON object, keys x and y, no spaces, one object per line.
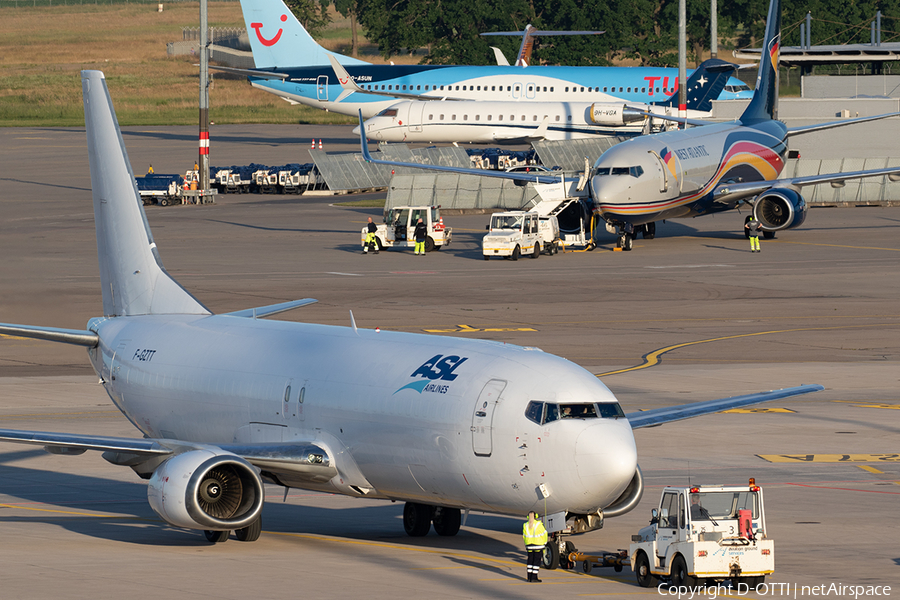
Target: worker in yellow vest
{"x":535,"y":536}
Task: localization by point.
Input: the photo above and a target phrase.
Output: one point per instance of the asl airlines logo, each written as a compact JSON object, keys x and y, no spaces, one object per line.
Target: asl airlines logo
{"x":435,"y":369}
{"x":264,"y":41}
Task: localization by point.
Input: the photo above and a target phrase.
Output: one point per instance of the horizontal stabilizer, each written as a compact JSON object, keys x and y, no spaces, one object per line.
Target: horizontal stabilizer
{"x":822,"y":126}
{"x":79,"y":337}
{"x":272,"y":309}
{"x":658,"y":416}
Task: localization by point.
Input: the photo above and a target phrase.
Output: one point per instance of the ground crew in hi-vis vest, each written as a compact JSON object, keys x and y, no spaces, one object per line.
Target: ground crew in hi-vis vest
{"x":371,"y":242}
{"x":753,"y":228}
{"x":535,"y":537}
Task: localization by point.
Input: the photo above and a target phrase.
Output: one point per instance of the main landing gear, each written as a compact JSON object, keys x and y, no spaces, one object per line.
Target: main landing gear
{"x":418,"y":519}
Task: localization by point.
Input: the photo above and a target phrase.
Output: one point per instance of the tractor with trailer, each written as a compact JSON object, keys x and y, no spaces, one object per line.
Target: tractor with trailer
{"x":703,"y":535}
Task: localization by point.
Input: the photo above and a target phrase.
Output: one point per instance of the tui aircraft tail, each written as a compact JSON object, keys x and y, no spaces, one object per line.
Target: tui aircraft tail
{"x":278,"y":40}
{"x":704,"y":85}
{"x":132,"y":277}
{"x":764,"y":104}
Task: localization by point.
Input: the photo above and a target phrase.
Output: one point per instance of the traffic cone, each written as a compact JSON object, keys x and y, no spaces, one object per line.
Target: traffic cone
{"x":320,"y":144}
{"x":313,"y":145}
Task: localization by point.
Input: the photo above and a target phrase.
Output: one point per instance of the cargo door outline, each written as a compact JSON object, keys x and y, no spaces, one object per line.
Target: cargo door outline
{"x":483,"y":417}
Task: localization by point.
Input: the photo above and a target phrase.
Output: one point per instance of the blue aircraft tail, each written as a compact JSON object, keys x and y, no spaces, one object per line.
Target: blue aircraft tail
{"x":277,"y":38}
{"x":704,"y":85}
{"x":764,"y":104}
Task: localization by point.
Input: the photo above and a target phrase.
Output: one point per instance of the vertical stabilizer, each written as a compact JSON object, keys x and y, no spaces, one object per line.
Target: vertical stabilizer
{"x":133,"y":279}
{"x":704,"y":85}
{"x":278,"y":40}
{"x":764,"y":104}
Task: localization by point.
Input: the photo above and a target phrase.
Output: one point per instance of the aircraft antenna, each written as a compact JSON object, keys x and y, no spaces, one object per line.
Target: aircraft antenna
{"x":353,"y":323}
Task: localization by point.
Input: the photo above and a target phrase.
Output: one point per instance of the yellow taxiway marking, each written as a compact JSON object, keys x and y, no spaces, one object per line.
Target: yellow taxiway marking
{"x":829,"y":458}
{"x":759,"y":410}
{"x":468,"y":329}
{"x":870,"y":469}
{"x":652,"y":358}
{"x":869,"y":404}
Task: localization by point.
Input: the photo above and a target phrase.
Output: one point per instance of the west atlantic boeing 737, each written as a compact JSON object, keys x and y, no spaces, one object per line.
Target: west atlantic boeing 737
{"x":225,"y":402}
{"x":702,"y":170}
{"x":291,"y":65}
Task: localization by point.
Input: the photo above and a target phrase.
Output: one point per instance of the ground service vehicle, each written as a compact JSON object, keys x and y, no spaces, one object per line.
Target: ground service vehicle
{"x":516,"y":233}
{"x":400,"y":224}
{"x":704,"y":534}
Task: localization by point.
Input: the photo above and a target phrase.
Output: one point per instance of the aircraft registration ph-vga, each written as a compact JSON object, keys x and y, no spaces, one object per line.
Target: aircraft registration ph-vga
{"x":486,"y":121}
{"x":228,"y":401}
{"x":291,"y":65}
{"x":707,"y":169}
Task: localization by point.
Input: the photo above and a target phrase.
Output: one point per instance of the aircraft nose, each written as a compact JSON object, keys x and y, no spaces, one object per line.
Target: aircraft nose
{"x":356,"y":130}
{"x":605,"y":459}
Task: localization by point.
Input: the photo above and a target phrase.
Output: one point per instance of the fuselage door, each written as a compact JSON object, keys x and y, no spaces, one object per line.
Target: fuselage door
{"x":322,"y":88}
{"x":483,"y":417}
{"x":414,"y":120}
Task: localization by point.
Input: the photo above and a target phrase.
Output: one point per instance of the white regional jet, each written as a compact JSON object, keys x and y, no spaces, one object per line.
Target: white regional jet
{"x":228,"y":401}
{"x":434,"y":120}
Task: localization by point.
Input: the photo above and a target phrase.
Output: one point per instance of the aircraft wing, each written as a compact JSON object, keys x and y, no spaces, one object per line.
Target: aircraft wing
{"x":303,"y":459}
{"x":822,"y":126}
{"x":731,"y":193}
{"x":683,"y":120}
{"x":272,"y":309}
{"x":658,"y":416}
{"x":250,"y":72}
{"x":532,"y":177}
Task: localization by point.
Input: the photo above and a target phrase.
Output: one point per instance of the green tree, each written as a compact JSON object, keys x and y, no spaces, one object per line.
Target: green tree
{"x":312,"y":14}
{"x":349,"y":9}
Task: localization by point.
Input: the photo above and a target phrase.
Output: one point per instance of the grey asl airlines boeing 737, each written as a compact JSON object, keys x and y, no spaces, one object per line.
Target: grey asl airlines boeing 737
{"x":703,"y":170}
{"x":227,"y":401}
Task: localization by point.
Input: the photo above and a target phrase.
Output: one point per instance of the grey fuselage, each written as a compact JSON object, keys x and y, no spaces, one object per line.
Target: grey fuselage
{"x":403,"y":416}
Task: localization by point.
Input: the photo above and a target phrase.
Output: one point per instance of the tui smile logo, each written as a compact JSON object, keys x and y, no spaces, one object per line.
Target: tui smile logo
{"x":435,"y":369}
{"x":264,"y":41}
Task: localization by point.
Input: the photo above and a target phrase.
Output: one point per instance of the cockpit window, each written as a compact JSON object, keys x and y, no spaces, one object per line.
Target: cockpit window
{"x":388,"y":112}
{"x":534,"y":411}
{"x":542,"y":413}
{"x":610,"y":410}
{"x":633,"y":171}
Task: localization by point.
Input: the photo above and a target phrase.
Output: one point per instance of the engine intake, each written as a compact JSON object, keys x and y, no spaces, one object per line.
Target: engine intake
{"x":204,"y":489}
{"x":780,"y":208}
{"x":628,"y":499}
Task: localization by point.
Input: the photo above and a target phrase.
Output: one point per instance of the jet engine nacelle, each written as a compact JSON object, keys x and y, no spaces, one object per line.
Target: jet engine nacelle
{"x":206,"y":489}
{"x":614,"y":115}
{"x":780,"y":208}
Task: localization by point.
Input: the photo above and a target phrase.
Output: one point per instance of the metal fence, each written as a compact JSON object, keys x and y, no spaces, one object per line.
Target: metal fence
{"x":458,"y":192}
